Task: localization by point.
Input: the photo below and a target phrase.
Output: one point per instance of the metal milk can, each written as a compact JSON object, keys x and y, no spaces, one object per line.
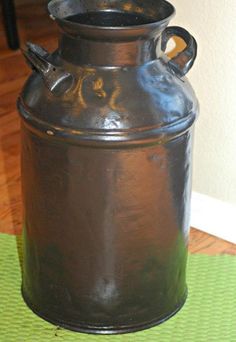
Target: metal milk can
{"x":107,"y":124}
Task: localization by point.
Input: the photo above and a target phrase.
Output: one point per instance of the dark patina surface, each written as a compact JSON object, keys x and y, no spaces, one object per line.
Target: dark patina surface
{"x":107,"y":124}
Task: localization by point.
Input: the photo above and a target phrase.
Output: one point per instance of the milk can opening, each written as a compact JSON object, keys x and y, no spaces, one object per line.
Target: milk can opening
{"x":110,"y":19}
{"x":112,"y":14}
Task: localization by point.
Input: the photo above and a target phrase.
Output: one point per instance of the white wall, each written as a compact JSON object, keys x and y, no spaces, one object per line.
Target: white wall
{"x":213,"y":23}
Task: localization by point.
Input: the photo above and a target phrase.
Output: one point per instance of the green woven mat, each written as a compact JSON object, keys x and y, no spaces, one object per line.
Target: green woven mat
{"x":209,"y":315}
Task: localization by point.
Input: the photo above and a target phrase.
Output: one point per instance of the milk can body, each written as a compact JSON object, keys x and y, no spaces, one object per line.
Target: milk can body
{"x":107,"y":125}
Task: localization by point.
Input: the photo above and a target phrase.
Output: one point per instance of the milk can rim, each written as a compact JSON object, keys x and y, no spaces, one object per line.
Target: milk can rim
{"x":151,"y":25}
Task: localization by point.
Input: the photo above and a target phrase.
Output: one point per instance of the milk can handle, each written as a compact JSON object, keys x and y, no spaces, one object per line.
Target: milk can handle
{"x":56,"y":79}
{"x":184,"y":60}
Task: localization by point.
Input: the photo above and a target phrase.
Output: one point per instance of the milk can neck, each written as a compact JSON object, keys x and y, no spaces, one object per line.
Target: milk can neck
{"x":110,"y":33}
{"x":84,"y":51}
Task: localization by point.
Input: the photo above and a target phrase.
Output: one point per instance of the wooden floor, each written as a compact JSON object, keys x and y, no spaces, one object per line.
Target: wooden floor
{"x":35,"y":26}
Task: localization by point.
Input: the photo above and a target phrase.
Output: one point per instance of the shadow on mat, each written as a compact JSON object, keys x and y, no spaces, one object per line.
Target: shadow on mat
{"x":19,"y":246}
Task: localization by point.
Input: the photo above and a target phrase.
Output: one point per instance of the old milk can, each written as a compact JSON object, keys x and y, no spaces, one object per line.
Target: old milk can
{"x":107,"y":123}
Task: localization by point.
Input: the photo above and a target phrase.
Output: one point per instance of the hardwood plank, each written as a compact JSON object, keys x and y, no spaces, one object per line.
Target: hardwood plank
{"x":12,"y":68}
{"x":203,"y":243}
{"x":34,"y":25}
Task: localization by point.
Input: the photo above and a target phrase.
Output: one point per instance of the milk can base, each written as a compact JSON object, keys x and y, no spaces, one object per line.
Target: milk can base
{"x":105,"y":330}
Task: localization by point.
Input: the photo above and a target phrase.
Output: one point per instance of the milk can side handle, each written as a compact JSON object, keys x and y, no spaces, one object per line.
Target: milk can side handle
{"x":56,"y":79}
{"x":184,"y":61}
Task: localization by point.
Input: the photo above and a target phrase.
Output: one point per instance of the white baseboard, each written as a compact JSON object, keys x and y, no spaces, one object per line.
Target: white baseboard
{"x":214,"y":217}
